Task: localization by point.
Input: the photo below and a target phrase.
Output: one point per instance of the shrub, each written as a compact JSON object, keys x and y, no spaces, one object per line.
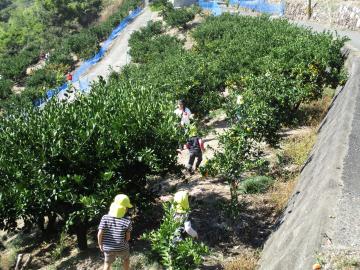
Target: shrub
{"x":179,"y":75}
{"x":146,"y":44}
{"x":78,"y":155}
{"x":155,"y":48}
{"x":14,"y":67}
{"x":43,"y":78}
{"x":257,"y":184}
{"x":5,"y":88}
{"x":176,"y":254}
{"x":274,"y":80}
{"x":62,"y":56}
{"x":157,"y":5}
{"x":178,"y":17}
{"x":239,"y":154}
{"x":24,"y":100}
{"x":84,"y":44}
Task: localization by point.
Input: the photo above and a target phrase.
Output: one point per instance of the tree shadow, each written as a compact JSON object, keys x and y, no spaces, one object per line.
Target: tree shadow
{"x":91,"y":257}
{"x":219,"y":230}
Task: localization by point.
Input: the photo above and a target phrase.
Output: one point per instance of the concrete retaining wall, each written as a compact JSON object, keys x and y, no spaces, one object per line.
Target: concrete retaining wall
{"x":345,"y":14}
{"x":183,"y":3}
{"x":314,"y":218}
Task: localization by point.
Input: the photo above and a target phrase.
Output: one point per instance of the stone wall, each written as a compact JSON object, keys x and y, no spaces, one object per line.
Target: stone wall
{"x":345,"y":14}
{"x":183,"y":3}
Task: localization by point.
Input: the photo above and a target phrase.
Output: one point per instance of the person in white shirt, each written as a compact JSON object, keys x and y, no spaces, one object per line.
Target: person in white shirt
{"x":183,"y":113}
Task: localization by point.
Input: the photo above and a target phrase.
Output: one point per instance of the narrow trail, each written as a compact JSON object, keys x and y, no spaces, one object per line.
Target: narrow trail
{"x":195,"y":184}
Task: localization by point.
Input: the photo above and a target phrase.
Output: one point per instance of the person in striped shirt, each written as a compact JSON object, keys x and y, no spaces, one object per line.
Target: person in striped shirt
{"x":114,"y":233}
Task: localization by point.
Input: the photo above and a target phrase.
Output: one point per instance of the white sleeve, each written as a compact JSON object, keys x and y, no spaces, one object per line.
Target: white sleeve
{"x":190,"y":231}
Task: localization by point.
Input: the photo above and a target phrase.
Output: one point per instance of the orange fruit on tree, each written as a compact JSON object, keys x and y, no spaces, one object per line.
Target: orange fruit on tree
{"x":316,"y":266}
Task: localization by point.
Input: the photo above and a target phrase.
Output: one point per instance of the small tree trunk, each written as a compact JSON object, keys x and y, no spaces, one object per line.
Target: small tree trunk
{"x":51,"y":226}
{"x":41,"y":223}
{"x":81,"y":235}
{"x":309,"y":11}
{"x":234,"y":204}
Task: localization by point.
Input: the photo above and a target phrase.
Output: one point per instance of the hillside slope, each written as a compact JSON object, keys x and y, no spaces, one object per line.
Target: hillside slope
{"x":321,"y":218}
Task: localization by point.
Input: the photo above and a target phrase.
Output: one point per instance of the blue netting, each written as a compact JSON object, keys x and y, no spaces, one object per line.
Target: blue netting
{"x":84,"y":84}
{"x":211,"y":6}
{"x":262,"y":6}
{"x":97,"y":57}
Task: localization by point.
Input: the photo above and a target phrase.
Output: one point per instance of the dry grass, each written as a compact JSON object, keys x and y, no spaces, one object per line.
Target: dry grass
{"x":347,"y":263}
{"x":280,"y":193}
{"x":246,"y":261}
{"x":8,"y":258}
{"x":110,"y":6}
{"x":295,"y":153}
{"x":339,"y":260}
{"x":297,"y":148}
{"x":312,"y":113}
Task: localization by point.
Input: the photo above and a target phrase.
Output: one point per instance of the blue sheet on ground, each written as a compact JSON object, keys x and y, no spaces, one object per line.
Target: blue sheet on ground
{"x":84,"y":84}
{"x":211,"y":6}
{"x":262,"y":6}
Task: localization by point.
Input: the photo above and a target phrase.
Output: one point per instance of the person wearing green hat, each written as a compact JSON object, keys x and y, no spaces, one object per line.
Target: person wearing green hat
{"x":114,"y":233}
{"x":182,"y":211}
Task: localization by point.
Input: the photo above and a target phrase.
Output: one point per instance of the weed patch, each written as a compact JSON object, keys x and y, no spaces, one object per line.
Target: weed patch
{"x":257,"y":184}
{"x":297,"y":149}
{"x":246,"y":261}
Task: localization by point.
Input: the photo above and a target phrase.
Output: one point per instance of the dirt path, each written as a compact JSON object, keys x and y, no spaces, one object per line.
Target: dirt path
{"x":196,"y":185}
{"x":117,"y":55}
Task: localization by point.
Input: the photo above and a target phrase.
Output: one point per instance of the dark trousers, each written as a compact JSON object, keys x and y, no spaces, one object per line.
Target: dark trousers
{"x":193,"y":155}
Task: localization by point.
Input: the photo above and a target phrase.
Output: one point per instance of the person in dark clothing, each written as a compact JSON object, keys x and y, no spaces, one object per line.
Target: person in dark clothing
{"x":196,"y":147}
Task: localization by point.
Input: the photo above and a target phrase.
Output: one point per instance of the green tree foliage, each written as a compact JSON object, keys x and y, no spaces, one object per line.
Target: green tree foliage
{"x":61,"y":11}
{"x":5,"y":88}
{"x":239,"y":155}
{"x":178,"y":17}
{"x":23,"y":28}
{"x":29,"y":33}
{"x":44,"y":78}
{"x":5,"y":8}
{"x":149,"y":44}
{"x":183,"y":75}
{"x":14,"y":67}
{"x":175,"y":253}
{"x":71,"y":159}
{"x":270,"y":67}
{"x":274,"y":65}
{"x":158,"y":5}
{"x":4,"y":4}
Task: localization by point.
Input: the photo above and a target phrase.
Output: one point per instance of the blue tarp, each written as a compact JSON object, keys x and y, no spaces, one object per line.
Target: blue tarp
{"x":262,"y":6}
{"x":211,"y":6}
{"x":84,"y":84}
{"x":257,"y":5}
